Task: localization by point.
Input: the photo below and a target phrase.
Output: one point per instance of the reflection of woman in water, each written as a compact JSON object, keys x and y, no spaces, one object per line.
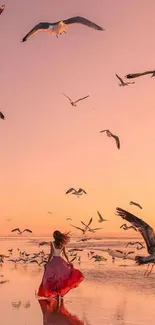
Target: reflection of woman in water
{"x":59,"y":277}
{"x":53,"y":314}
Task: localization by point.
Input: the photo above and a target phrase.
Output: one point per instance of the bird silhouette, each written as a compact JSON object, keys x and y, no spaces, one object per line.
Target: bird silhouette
{"x":110,"y":134}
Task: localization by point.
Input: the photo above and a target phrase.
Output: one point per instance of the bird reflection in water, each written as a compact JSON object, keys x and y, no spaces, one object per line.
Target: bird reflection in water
{"x":56,"y":314}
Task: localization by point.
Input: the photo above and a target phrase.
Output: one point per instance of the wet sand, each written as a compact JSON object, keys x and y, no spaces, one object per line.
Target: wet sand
{"x":112,"y":293}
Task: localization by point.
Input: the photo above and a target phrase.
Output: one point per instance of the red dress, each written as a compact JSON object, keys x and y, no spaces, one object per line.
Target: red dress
{"x":59,"y":277}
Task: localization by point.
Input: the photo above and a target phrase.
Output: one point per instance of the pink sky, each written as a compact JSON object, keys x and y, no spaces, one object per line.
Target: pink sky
{"x":47,"y":145}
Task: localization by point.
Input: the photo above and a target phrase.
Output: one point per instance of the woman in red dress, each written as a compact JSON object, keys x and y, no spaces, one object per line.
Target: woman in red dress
{"x":59,"y":276}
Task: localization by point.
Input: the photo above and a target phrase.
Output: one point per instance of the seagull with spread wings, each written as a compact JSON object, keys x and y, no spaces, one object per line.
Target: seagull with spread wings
{"x":59,"y":27}
{"x":2,"y":7}
{"x":101,"y":219}
{"x":2,"y":116}
{"x":76,"y":101}
{"x":125,"y":227}
{"x":136,"y":75}
{"x":93,"y":230}
{"x":110,"y":134}
{"x":122,"y":84}
{"x":148,"y":235}
{"x":78,"y":192}
{"x":86,"y":226}
{"x":21,"y":232}
{"x":136,"y":204}
{"x":136,"y":243}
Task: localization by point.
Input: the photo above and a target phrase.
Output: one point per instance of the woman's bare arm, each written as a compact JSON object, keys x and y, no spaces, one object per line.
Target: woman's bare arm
{"x":50,"y":254}
{"x":65,"y":254}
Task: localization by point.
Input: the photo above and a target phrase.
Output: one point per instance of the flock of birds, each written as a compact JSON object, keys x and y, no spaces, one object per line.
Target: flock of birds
{"x":57,"y":29}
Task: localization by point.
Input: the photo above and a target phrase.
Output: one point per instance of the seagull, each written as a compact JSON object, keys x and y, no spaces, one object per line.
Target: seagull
{"x":118,"y":253}
{"x":43,"y":243}
{"x":125,"y":227}
{"x":69,"y":219}
{"x":2,"y":8}
{"x":78,"y":100}
{"x":78,"y":192}
{"x":109,"y":134}
{"x":136,"y":75}
{"x":49,"y":212}
{"x":136,"y":243}
{"x":98,"y":258}
{"x":123,"y":83}
{"x":147,"y":233}
{"x":86,"y":226}
{"x":136,"y":204}
{"x":101,"y":219}
{"x":2,"y":116}
{"x":35,"y":261}
{"x":20,"y":232}
{"x":59,"y":27}
{"x":90,"y":229}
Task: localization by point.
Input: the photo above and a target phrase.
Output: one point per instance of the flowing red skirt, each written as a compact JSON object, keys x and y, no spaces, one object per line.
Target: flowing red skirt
{"x":59,"y":278}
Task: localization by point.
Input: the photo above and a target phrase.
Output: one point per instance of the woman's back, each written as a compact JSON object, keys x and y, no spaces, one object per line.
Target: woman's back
{"x":56,"y":251}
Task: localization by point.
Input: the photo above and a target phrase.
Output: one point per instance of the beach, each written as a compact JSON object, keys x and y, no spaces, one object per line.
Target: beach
{"x":112,"y":293}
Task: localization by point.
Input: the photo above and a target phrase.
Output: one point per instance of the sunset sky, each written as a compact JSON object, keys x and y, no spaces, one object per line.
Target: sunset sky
{"x":47,"y":145}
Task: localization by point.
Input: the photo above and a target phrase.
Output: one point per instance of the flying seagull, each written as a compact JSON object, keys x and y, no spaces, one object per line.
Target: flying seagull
{"x":101,"y":219}
{"x":2,"y":8}
{"x":78,"y":192}
{"x":20,"y":232}
{"x":125,"y":227}
{"x":136,"y":204}
{"x":86,"y":226}
{"x":69,"y":219}
{"x":59,"y":27}
{"x":90,"y":229}
{"x":76,"y":101}
{"x":124,"y":83}
{"x":136,"y":243}
{"x":49,"y":212}
{"x":147,"y":233}
{"x":136,"y":75}
{"x":2,"y":116}
{"x":109,"y":134}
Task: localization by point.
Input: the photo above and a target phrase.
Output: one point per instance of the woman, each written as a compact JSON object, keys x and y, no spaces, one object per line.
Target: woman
{"x":59,"y":277}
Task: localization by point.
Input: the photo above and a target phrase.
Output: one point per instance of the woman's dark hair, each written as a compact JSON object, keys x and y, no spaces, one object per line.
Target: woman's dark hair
{"x":61,"y":238}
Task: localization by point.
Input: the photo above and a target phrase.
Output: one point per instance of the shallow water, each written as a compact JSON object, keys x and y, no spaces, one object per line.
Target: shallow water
{"x":112,"y":293}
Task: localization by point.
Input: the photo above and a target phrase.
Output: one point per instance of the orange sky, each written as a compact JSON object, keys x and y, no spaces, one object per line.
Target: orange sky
{"x":47,"y":145}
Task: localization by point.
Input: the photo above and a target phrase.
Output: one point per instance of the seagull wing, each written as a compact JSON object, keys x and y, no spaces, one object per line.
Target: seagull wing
{"x":38,"y":28}
{"x":2,"y":116}
{"x":27,"y":230}
{"x":146,"y":231}
{"x":83,"y":21}
{"x":120,"y":79}
{"x":73,"y":259}
{"x":77,"y":228}
{"x":70,"y":190}
{"x":117,"y":140}
{"x":97,"y":228}
{"x":2,"y":8}
{"x":136,"y":75}
{"x":130,"y":243}
{"x":124,"y":225}
{"x":78,"y":100}
{"x":16,"y":229}
{"x":99,"y":214}
{"x":104,"y":131}
{"x":118,"y":251}
{"x":67,"y":97}
{"x":81,"y":190}
{"x":90,"y":221}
